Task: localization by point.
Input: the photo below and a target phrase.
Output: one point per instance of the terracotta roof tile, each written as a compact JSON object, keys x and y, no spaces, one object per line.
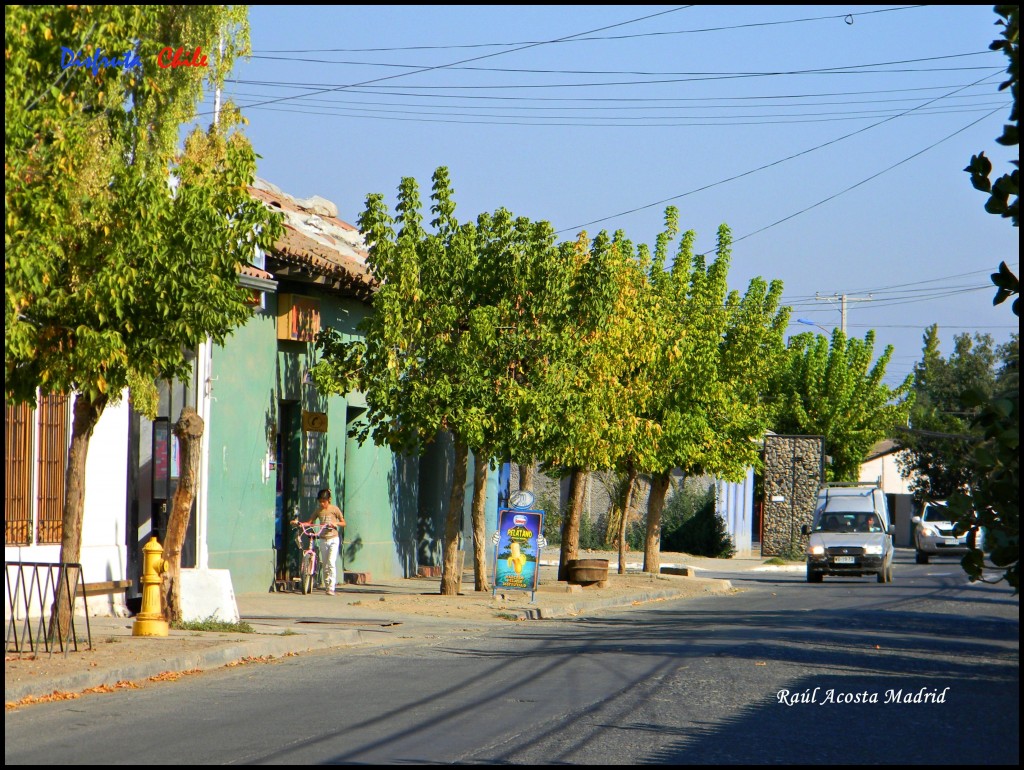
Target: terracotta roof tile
{"x":254,"y":272}
{"x":308,"y":241}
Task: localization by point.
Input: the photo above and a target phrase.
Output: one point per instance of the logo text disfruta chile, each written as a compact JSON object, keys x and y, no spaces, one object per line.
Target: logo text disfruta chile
{"x":169,"y":58}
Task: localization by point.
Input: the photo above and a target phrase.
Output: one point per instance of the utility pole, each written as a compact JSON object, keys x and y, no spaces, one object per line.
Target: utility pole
{"x":843,"y":299}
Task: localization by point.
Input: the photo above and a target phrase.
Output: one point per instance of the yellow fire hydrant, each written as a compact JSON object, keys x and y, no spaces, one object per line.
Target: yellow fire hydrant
{"x":150,"y":620}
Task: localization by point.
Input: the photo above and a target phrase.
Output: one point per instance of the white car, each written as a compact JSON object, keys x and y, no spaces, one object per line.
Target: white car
{"x":851,"y":533}
{"x":935,"y":533}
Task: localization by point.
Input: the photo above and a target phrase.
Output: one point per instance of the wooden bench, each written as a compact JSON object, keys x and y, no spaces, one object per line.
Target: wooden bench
{"x":109,"y":587}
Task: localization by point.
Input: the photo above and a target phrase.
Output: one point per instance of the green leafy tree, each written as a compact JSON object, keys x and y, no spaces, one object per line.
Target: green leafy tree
{"x":111,"y":270}
{"x":693,"y":526}
{"x":447,"y":347}
{"x":519,"y":288}
{"x":412,"y":362}
{"x":834,"y":390}
{"x":717,"y":349}
{"x":980,"y":168}
{"x":588,"y":394}
{"x":939,"y":439}
{"x":991,"y":499}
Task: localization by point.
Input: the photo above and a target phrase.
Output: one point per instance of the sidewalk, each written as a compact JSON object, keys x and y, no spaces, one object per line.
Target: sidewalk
{"x":388,"y":612}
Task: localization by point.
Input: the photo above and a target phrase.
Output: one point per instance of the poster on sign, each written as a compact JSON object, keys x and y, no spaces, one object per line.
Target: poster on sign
{"x":517,"y":556}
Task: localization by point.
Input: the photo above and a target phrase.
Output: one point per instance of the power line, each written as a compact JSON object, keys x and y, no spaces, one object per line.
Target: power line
{"x":607,"y":122}
{"x":868,"y":179}
{"x":606,"y":37}
{"x":653,"y":104}
{"x":902,"y":294}
{"x":631,"y":99}
{"x":893,"y":301}
{"x":697,"y":78}
{"x":843,"y":299}
{"x":526,"y":70}
{"x":475,"y":58}
{"x":917,"y":283}
{"x":922,"y":327}
{"x":776,"y":163}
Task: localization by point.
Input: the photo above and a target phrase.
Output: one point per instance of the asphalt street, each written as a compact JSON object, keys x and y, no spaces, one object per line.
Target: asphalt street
{"x":925,"y":670}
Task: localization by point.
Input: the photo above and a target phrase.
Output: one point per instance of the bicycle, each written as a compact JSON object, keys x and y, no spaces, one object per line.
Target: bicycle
{"x":311,"y":571}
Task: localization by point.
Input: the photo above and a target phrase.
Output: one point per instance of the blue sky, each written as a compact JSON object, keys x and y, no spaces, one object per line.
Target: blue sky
{"x":598,"y":117}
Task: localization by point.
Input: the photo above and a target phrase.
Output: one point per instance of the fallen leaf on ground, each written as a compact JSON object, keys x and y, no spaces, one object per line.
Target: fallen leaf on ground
{"x":250,"y":659}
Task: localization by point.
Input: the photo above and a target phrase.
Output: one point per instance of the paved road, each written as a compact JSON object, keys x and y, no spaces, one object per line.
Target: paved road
{"x":676,"y":682}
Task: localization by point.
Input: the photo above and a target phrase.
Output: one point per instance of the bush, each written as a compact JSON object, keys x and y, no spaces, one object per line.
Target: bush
{"x":691,"y":525}
{"x":591,"y":535}
{"x":552,"y":518}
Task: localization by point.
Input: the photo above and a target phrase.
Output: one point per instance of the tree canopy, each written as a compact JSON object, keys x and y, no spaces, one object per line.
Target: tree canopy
{"x":832,"y":389}
{"x":122,"y":250}
{"x":937,"y":456}
{"x":443,"y":350}
{"x":992,"y":499}
{"x":716,"y":352}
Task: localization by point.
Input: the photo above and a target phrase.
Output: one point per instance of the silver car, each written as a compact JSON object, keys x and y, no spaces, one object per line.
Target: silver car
{"x":935,"y":533}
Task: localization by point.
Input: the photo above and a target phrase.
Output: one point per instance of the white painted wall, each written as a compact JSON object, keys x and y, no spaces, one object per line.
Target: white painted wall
{"x":886,"y":470}
{"x":104,"y":552}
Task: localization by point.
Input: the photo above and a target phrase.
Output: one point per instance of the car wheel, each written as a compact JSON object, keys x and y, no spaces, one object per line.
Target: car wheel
{"x":814,"y":577}
{"x":921,"y":558}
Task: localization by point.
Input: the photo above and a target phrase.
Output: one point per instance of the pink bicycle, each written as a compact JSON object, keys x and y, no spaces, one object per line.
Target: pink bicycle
{"x":311,"y":571}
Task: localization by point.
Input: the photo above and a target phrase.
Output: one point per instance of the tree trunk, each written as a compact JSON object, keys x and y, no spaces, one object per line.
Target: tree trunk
{"x":611,"y":529}
{"x":655,"y":505}
{"x":624,"y":520}
{"x":86,"y":414}
{"x":480,"y":465}
{"x":451,"y":577}
{"x":571,"y":522}
{"x":189,"y":432}
{"x":526,"y":475}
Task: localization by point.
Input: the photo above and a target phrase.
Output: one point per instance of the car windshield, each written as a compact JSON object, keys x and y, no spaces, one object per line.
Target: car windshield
{"x":849,"y":522}
{"x":936,"y":513}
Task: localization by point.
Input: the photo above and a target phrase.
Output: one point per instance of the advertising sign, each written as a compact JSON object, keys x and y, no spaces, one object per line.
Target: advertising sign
{"x":517,"y":556}
{"x":161,"y":458}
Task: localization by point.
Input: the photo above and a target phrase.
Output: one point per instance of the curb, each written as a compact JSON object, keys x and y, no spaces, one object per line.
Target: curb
{"x":712,"y":585}
{"x":215,"y":657}
{"x":273,"y":644}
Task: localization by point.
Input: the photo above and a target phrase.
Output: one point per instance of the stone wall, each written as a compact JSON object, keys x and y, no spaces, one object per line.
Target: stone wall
{"x":602,"y":487}
{"x":792,"y":477}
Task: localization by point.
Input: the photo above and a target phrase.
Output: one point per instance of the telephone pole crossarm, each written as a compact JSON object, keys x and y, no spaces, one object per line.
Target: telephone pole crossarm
{"x":843,"y":299}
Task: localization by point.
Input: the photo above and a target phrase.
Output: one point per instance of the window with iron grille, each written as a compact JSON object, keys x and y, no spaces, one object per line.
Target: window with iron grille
{"x":35,"y":441}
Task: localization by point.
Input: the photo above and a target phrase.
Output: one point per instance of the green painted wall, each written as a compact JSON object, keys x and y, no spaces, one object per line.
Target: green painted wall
{"x":435,"y":484}
{"x":254,"y":375}
{"x":394,"y":505}
{"x":240,"y":519}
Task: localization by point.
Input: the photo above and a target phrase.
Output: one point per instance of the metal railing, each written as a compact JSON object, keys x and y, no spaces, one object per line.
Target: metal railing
{"x":41,"y":600}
